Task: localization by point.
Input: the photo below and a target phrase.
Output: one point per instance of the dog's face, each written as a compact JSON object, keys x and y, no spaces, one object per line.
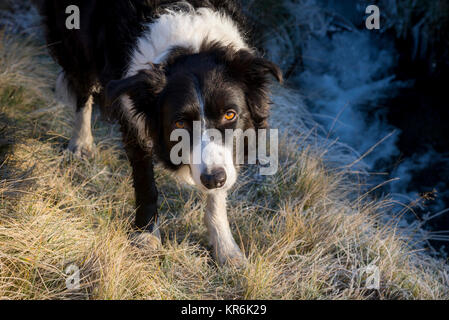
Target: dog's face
{"x":207,"y":95}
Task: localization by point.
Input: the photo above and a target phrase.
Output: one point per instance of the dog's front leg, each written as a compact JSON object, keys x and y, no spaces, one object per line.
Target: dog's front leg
{"x":82,"y":142}
{"x":226,"y":249}
{"x":147,"y":230}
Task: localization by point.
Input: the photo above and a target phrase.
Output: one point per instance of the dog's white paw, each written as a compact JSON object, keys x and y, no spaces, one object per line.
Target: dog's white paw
{"x":233,"y":258}
{"x":146,"y":240}
{"x":82,"y":148}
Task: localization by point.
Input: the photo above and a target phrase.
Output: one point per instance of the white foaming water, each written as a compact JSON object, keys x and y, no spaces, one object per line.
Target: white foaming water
{"x":344,"y":82}
{"x":346,"y":72}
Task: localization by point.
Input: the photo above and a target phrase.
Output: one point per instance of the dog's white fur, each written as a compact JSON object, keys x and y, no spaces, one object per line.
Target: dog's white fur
{"x":226,"y":249}
{"x":82,"y":142}
{"x":213,"y":156}
{"x":186,"y":29}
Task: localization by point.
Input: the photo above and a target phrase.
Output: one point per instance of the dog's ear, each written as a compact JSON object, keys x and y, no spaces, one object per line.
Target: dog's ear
{"x":146,"y":84}
{"x":140,"y":110}
{"x":255,"y":73}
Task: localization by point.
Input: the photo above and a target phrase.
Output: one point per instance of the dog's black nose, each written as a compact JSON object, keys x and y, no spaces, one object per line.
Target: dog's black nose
{"x":215,"y":180}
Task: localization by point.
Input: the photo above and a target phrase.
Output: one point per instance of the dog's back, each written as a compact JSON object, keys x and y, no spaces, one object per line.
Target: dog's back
{"x":97,"y":51}
{"x":100,"y":49}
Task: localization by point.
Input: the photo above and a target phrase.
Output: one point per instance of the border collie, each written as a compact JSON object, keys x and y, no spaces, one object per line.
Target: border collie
{"x":156,"y":66}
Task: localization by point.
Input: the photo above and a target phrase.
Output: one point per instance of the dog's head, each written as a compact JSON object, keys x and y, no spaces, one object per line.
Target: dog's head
{"x":204,"y":94}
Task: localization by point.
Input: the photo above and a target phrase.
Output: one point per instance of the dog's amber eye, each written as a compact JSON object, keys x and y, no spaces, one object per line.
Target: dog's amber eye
{"x":180,"y":124}
{"x":230,"y":115}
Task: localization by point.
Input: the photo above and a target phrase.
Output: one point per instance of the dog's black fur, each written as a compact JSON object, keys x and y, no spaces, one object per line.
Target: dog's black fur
{"x":95,"y":59}
{"x":100,"y":50}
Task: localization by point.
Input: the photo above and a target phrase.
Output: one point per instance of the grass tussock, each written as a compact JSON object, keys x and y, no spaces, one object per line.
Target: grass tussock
{"x":304,"y":237}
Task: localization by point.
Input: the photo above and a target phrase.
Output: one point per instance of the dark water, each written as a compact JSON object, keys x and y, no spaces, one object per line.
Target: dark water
{"x":421,"y":112}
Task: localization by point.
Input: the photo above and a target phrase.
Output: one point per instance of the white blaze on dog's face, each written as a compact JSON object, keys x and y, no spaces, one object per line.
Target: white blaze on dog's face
{"x":211,"y":162}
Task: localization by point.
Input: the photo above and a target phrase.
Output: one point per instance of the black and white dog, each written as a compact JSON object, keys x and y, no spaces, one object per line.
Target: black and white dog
{"x":156,"y":66}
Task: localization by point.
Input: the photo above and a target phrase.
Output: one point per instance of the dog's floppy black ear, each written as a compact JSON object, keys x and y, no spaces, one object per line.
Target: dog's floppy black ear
{"x":146,"y":82}
{"x":117,"y":88}
{"x":266,"y":67}
{"x":255,"y":73}
{"x":143,"y":89}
